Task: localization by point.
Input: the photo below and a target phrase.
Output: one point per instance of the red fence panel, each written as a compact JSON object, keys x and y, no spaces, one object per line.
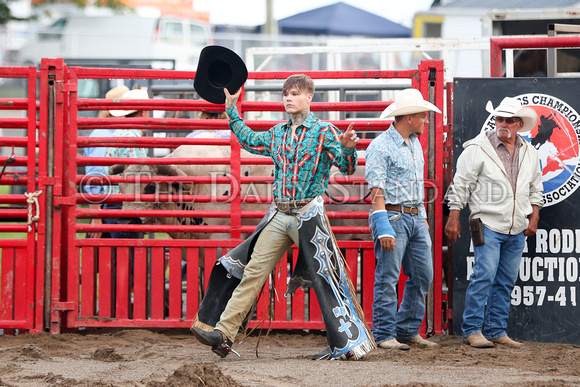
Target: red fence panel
{"x":21,"y":296}
{"x":160,"y":282}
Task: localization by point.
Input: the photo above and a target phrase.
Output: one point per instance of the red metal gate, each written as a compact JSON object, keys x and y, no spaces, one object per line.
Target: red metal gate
{"x":141,"y":282}
{"x":21,"y":264}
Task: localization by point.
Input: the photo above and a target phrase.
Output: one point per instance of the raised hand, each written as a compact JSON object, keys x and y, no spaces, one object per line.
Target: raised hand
{"x":348,"y":139}
{"x":231,"y":99}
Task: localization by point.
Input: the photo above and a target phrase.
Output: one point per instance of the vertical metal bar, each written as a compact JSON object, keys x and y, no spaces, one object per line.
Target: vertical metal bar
{"x":88,"y":287}
{"x":57,"y":135}
{"x":495,"y":54}
{"x":263,"y":303}
{"x":280,"y":302}
{"x":66,"y":274}
{"x":314,"y":312}
{"x":431,"y":191}
{"x":174,"y":283}
{"x":140,"y":284}
{"x":35,"y":252}
{"x":551,"y":62}
{"x":367,"y":286}
{"x":448,"y":250}
{"x":49,"y":199}
{"x":193,"y":280}
{"x":105,"y":289}
{"x":7,"y":284}
{"x":438,"y":193}
{"x":210,"y":256}
{"x":69,"y":173}
{"x":122,"y":283}
{"x":509,"y":63}
{"x":21,"y":306}
{"x":157,"y":283}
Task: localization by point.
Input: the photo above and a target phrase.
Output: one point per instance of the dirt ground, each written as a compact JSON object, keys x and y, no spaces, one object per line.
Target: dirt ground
{"x":174,"y":358}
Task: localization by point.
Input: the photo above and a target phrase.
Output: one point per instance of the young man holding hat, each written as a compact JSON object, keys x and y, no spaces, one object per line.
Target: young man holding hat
{"x":498,"y":175}
{"x":398,"y":222}
{"x":303,"y":150}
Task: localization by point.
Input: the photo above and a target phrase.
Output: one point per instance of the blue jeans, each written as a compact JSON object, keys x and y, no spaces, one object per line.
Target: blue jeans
{"x":119,"y":234}
{"x":495,"y":271}
{"x":413,"y":251}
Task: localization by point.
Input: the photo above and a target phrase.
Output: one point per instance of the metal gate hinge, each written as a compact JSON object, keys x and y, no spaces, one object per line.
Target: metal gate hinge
{"x":449,"y":314}
{"x":65,"y":201}
{"x":62,"y":306}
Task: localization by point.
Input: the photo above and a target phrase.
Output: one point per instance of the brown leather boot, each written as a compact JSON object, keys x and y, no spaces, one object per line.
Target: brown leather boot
{"x":505,"y":340}
{"x":394,"y":344}
{"x":477,"y":340}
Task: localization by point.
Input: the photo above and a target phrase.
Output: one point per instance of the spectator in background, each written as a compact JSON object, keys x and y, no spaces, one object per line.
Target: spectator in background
{"x":99,"y":170}
{"x":209,"y":115}
{"x":125,"y":152}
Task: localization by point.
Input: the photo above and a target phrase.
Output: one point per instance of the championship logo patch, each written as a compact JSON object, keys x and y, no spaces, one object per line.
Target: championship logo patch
{"x":556,"y":137}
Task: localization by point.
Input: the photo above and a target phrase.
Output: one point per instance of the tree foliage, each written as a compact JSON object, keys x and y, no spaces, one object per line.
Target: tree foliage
{"x":5,"y":13}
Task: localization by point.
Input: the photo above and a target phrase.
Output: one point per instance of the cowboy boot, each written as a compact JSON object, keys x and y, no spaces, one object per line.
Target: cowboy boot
{"x":220,"y":344}
{"x":505,"y":340}
{"x":477,"y":340}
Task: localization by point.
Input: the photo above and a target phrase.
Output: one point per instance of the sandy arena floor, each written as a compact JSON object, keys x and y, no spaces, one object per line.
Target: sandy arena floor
{"x":174,"y":358}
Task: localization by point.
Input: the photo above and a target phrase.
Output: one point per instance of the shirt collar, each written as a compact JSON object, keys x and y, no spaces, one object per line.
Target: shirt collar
{"x":308,"y":122}
{"x":396,"y":136}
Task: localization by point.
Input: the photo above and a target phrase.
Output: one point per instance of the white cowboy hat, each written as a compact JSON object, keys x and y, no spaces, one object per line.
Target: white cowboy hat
{"x":131,"y":94}
{"x":116,"y":92}
{"x":408,"y":101}
{"x":512,"y":107}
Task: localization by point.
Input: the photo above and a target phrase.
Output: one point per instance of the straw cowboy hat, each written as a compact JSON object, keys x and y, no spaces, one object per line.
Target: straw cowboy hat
{"x":218,"y":67}
{"x":512,"y":107}
{"x":116,"y":92}
{"x":131,"y":94}
{"x":408,"y":101}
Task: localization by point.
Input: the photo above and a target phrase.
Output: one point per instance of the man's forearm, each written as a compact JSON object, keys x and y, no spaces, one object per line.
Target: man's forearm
{"x":377,"y":198}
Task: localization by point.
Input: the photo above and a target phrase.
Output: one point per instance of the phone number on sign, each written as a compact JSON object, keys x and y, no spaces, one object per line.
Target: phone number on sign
{"x":537,"y":295}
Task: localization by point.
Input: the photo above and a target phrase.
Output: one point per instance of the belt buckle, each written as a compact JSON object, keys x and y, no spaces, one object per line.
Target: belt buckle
{"x":283,"y":205}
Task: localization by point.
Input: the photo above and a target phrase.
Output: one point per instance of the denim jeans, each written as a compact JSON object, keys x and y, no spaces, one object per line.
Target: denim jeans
{"x":495,"y":271}
{"x":413,"y":251}
{"x":119,"y":234}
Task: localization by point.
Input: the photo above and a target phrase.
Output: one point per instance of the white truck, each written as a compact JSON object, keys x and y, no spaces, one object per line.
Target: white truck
{"x":162,"y":42}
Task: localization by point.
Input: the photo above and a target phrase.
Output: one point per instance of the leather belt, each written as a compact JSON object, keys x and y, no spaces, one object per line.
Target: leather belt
{"x":286,"y":205}
{"x":407,"y":210}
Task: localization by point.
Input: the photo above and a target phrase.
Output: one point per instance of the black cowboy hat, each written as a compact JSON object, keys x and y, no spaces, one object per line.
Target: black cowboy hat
{"x":219,"y":67}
